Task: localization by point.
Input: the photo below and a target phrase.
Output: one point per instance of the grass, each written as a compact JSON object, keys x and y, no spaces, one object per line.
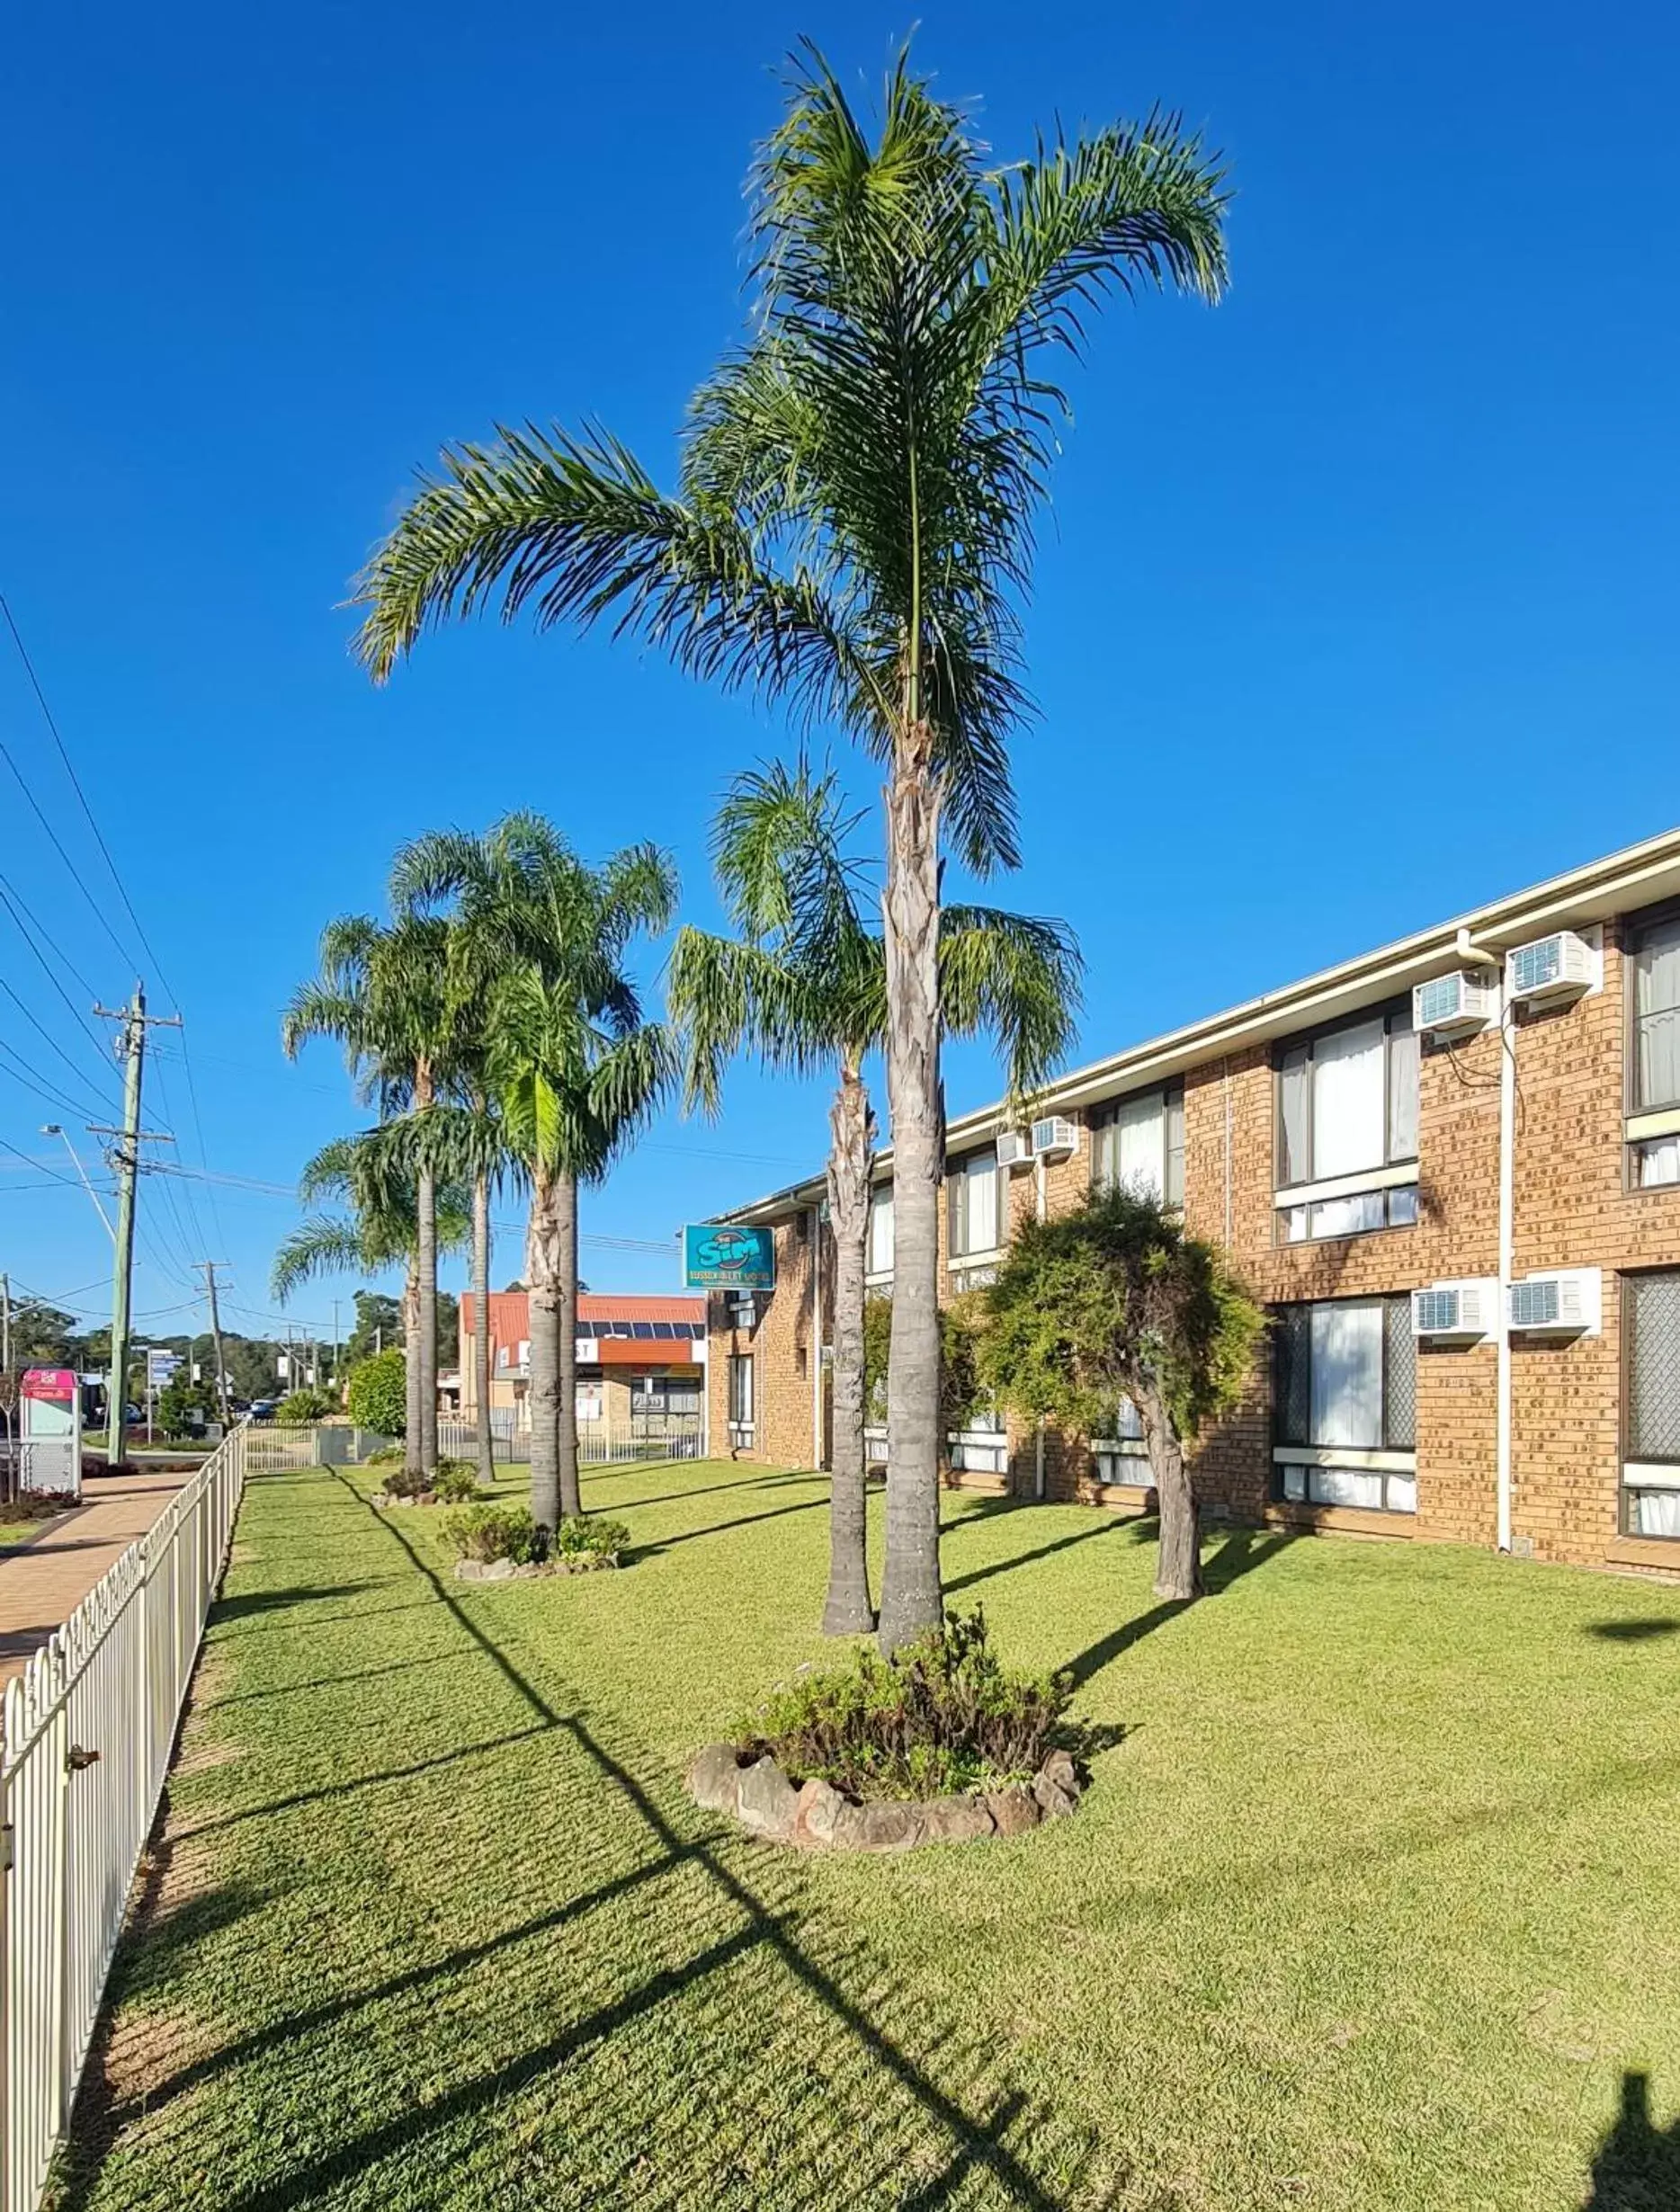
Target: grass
{"x":1374,"y":1905}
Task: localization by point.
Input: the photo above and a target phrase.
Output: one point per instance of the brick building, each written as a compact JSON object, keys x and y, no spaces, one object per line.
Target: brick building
{"x":1508,"y":1141}
{"x":640,"y":1360}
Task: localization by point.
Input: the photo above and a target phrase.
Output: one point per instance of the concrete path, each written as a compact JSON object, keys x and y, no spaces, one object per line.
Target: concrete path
{"x":42,"y":1580}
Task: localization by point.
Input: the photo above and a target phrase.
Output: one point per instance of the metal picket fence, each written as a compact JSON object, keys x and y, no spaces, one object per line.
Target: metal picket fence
{"x":89,"y":1726}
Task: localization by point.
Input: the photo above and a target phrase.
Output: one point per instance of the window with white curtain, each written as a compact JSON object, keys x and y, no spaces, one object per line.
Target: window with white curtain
{"x":878,"y":1250}
{"x":1655,"y":1011}
{"x":1651,"y":1470}
{"x":1346,"y":1108}
{"x":741,"y":1393}
{"x":974,"y":1209}
{"x":1140,"y":1143}
{"x":1345,"y":1390}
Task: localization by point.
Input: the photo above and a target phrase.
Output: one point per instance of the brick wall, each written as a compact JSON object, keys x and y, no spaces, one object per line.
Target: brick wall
{"x":784,"y":1350}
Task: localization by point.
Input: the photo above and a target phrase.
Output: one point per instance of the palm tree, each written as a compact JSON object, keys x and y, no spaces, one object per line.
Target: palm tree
{"x":805,"y":986}
{"x":537,"y":943}
{"x":381,"y":991}
{"x":852,"y":533}
{"x":372,"y":1175}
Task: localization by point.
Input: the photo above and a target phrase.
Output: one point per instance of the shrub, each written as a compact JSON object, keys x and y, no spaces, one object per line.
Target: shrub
{"x":300,"y":1408}
{"x":387,"y":1455}
{"x":377,"y":1394}
{"x":942,"y":1716}
{"x":406,"y":1482}
{"x":456,"y":1482}
{"x":586,"y":1538}
{"x":488,"y":1532}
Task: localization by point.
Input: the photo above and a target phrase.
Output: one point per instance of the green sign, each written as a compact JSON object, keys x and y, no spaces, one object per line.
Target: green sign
{"x":721,"y":1256}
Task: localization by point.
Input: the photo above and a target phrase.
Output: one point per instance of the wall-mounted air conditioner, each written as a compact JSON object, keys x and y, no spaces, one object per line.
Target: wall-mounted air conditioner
{"x":1552,"y":969}
{"x":1462,"y":1312}
{"x":1053,"y":1137}
{"x":1014,"y":1148}
{"x":1563,"y":1302}
{"x":1456,"y":1005}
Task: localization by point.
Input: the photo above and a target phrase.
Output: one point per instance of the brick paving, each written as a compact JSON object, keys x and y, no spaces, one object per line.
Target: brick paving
{"x":43,"y":1580}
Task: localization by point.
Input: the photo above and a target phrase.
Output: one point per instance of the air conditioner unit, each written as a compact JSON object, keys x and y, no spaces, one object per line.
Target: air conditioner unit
{"x":1455,"y":1005}
{"x":1014,"y":1148}
{"x":1053,"y":1136}
{"x":1463,"y":1310}
{"x":1552,"y":969}
{"x":1564,"y":1303}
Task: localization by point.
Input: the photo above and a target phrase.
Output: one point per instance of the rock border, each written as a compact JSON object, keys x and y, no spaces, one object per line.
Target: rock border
{"x":814,"y":1815}
{"x":524,"y":1571}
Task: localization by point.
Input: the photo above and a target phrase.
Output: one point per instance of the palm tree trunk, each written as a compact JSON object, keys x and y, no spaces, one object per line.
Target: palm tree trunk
{"x":847,"y":1610}
{"x":411,"y":1367}
{"x":543,"y":1271}
{"x":482,"y":1321}
{"x":565,"y":1225}
{"x":911,"y":1599}
{"x":1178,"y":1563}
{"x":425,"y":1211}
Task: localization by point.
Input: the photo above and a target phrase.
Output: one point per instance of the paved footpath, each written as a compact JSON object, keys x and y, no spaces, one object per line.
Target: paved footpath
{"x":42,"y":1582}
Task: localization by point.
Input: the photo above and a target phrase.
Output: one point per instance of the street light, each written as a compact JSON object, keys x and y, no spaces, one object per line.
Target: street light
{"x":54,"y":1129}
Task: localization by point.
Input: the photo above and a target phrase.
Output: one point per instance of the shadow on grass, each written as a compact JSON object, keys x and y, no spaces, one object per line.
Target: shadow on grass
{"x":721,"y":1527}
{"x":699,"y":1490}
{"x":1243,"y":1550}
{"x":1632,"y":1632}
{"x":1025,"y":1558}
{"x":1638,"y":2165}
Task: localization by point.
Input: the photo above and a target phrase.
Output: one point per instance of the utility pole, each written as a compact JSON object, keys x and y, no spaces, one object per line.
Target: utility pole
{"x":334,"y":1343}
{"x":207,"y":1268}
{"x":125,"y":1157}
{"x":5,"y":1325}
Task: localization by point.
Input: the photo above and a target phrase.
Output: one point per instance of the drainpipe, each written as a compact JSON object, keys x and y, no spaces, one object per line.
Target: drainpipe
{"x":1482,"y":956}
{"x":1040,"y":1208}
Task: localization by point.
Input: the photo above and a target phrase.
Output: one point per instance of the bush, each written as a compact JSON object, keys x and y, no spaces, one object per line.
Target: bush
{"x":942,"y":1716}
{"x":488,"y":1532}
{"x":456,"y":1482}
{"x":586,"y":1538}
{"x":377,"y":1394}
{"x":406,"y":1482}
{"x":301,"y":1407}
{"x":387,"y":1455}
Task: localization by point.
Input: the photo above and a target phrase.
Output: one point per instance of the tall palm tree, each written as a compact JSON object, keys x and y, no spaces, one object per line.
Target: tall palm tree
{"x":804,"y":986}
{"x":371,"y":1175}
{"x":852,"y":532}
{"x":537,"y":943}
{"x":381,"y":992}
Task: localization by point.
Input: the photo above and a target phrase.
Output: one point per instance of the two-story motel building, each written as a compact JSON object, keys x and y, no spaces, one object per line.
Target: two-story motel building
{"x":1486,"y":1113}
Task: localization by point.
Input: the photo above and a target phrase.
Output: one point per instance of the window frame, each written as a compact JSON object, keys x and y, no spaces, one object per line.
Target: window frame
{"x":1626,"y":1292}
{"x":872,"y":1273}
{"x":742,"y":1428}
{"x":956,"y":1176}
{"x":1104,"y":1118}
{"x":1396,"y":1016}
{"x":1389,"y":1460}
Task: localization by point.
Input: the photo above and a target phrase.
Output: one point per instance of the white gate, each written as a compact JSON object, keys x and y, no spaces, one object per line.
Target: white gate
{"x":89,"y":1725}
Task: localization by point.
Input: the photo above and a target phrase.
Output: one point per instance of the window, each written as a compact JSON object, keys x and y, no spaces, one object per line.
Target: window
{"x":1347,"y":1115}
{"x":741,"y":1403}
{"x":1140,"y":1143}
{"x":878,"y":1250}
{"x":665,"y":1394}
{"x":591,"y":1401}
{"x":1122,"y":1456}
{"x":1344,"y":1403}
{"x":1653,"y":1083}
{"x":974,"y":1205}
{"x":1651,"y":1471}
{"x":980,"y":1446}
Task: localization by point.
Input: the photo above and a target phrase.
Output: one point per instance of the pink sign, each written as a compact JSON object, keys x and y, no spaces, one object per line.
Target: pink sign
{"x":56,"y":1384}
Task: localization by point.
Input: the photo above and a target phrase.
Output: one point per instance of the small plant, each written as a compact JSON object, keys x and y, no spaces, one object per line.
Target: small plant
{"x":301,"y":1408}
{"x":407,"y":1482}
{"x":586,"y":1540}
{"x":455,"y":1482}
{"x":942,"y":1716}
{"x":488,"y":1532}
{"x":377,"y":1394}
{"x":387,"y":1455}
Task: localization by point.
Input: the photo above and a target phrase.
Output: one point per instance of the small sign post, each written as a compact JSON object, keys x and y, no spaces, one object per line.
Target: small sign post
{"x":49,"y":1401}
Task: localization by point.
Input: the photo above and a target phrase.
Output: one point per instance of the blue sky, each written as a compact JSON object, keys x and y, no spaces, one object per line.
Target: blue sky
{"x":1355,"y":606}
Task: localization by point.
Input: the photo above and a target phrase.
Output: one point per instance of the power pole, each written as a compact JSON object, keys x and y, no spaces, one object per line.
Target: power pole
{"x":125,"y":1157}
{"x":5,"y":1325}
{"x":207,"y":1268}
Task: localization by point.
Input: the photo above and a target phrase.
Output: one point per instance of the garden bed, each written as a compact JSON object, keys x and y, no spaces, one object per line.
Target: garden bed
{"x":530,"y":1570}
{"x":814,"y":1815}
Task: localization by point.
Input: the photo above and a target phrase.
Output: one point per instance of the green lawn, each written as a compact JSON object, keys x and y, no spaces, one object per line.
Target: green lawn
{"x":1375,"y":1905}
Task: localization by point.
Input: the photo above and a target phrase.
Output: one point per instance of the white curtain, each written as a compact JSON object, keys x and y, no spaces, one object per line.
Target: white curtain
{"x":1347,"y":1374}
{"x":1140,"y":1145}
{"x":977,"y":1204}
{"x":1345,"y":1485}
{"x":1349,"y":1110}
{"x":1657,"y":1512}
{"x":1656,"y":1001}
{"x":881,"y":1232}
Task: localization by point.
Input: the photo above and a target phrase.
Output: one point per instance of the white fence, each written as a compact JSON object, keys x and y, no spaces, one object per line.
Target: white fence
{"x":88,"y":1729}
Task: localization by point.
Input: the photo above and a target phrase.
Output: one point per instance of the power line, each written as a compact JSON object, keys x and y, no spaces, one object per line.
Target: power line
{"x":76,"y":782}
{"x":16,"y":896}
{"x":40,"y":959}
{"x":41,"y":1085}
{"x":48,"y":1171}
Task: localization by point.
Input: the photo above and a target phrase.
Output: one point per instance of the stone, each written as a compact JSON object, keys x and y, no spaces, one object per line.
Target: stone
{"x":767,"y":1801}
{"x":1059,"y":1769}
{"x":714,"y":1777}
{"x":958,"y":1820}
{"x":820,"y":1806}
{"x":1054,"y":1801}
{"x":1013,"y":1811}
{"x":892,"y":1827}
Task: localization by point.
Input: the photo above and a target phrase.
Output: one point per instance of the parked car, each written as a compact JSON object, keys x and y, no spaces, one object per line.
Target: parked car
{"x":264,"y":1409}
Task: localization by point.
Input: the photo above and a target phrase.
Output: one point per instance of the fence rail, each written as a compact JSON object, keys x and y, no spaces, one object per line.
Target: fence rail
{"x":89,"y":1726}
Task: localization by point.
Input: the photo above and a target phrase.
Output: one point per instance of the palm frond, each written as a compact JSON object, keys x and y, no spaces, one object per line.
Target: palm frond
{"x":1015,"y":978}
